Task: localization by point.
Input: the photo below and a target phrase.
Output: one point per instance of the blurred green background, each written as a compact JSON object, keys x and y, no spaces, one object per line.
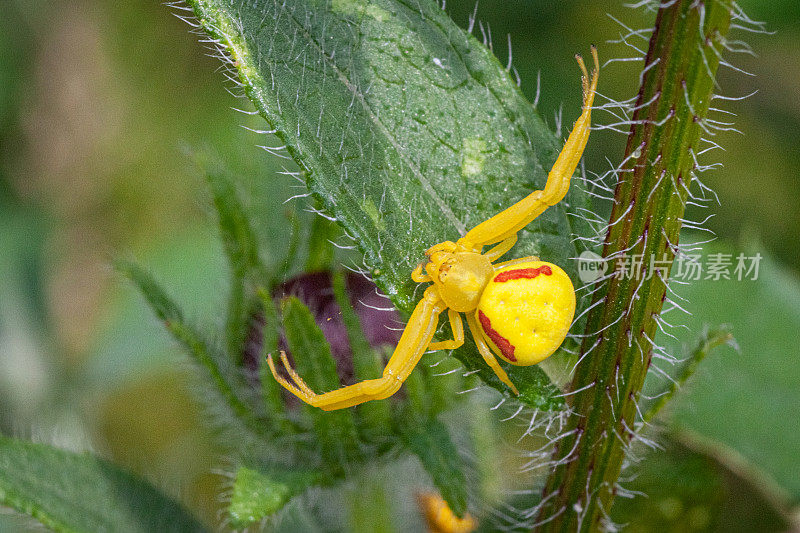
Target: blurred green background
{"x":104,"y":108}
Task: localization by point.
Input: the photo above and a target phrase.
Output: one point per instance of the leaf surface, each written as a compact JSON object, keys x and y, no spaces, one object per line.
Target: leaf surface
{"x":336,"y":430}
{"x":747,"y":401}
{"x":431,"y":443}
{"x":241,"y":247}
{"x":409,"y":130}
{"x":405,"y":126}
{"x":78,"y":492}
{"x":256,"y":495}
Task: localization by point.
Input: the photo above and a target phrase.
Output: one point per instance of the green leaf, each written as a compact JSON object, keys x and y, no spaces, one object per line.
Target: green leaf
{"x":418,"y":397}
{"x":314,"y":363}
{"x":710,"y":340}
{"x":320,"y":247}
{"x":256,"y":495}
{"x":294,"y":245}
{"x":241,"y":247}
{"x":270,"y":338}
{"x":406,"y":128}
{"x":68,"y":491}
{"x":362,"y":351}
{"x":687,"y":490}
{"x":745,"y":401}
{"x":431,"y":442}
{"x":225,"y":378}
{"x":128,"y":343}
{"x":367,"y":363}
{"x":161,"y":304}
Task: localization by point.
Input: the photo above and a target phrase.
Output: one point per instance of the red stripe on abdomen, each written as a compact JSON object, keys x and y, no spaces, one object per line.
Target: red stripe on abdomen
{"x":506,"y":348}
{"x":523,"y":273}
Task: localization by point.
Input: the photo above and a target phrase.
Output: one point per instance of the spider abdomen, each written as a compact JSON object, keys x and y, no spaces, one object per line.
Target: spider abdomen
{"x":526,"y":310}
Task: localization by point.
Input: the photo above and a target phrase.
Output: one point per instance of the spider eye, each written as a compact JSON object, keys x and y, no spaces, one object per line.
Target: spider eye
{"x":462,"y":279}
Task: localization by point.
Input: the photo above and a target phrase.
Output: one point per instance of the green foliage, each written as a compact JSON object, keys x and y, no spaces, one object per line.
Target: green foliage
{"x":270,"y":342}
{"x":407,"y":131}
{"x":257,"y":496}
{"x":363,"y":358}
{"x":370,"y":508}
{"x":406,"y":128}
{"x":367,"y":363}
{"x":73,"y":492}
{"x":690,"y":491}
{"x":261,"y":419}
{"x":227,"y":380}
{"x":312,"y":359}
{"x":753,"y":390}
{"x":710,"y":340}
{"x":320,"y":249}
{"x":439,"y":167}
{"x":739,"y":403}
{"x":161,"y":304}
{"x":432,"y":444}
{"x":238,"y":237}
{"x":241,"y":247}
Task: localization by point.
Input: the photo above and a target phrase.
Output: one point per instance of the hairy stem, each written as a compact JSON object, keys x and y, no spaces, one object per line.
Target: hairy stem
{"x":640,"y":244}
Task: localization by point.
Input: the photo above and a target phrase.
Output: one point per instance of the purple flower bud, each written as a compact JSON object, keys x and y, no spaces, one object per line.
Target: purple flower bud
{"x":379,"y":320}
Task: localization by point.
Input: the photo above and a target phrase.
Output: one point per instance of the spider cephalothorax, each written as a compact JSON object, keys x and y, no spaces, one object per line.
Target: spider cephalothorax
{"x":520,"y":310}
{"x":459,"y":273}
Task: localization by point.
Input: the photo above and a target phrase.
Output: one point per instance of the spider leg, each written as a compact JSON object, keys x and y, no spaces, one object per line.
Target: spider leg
{"x":413,"y":344}
{"x":285,"y":384}
{"x":446,"y":246}
{"x":295,"y":377}
{"x":487,"y":353}
{"x":358,"y":393}
{"x":498,"y":251}
{"x":516,"y":261}
{"x":519,"y":215}
{"x":419,"y":276}
{"x":458,"y":333}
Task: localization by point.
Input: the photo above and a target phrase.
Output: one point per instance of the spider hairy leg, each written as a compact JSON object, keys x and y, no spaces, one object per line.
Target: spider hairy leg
{"x":487,"y":354}
{"x":419,"y":276}
{"x":570,"y":155}
{"x":498,"y":251}
{"x":414,"y":342}
{"x":519,"y":215}
{"x":285,"y":384}
{"x":517,"y":261}
{"x":457,"y":326}
{"x":295,"y":377}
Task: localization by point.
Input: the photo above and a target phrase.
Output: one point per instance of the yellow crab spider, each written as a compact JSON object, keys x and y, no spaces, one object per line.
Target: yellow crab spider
{"x":519,"y":310}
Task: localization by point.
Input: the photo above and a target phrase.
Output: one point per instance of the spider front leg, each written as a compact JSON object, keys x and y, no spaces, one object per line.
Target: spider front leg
{"x":513,"y":262}
{"x":419,"y":275}
{"x":458,"y":333}
{"x":509,"y":221}
{"x":499,"y":250}
{"x":414,"y":342}
{"x":487,"y":354}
